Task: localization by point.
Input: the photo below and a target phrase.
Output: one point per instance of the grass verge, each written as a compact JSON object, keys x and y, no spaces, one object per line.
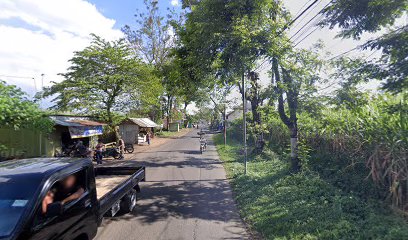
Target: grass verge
{"x":302,"y":206}
{"x":167,"y":134}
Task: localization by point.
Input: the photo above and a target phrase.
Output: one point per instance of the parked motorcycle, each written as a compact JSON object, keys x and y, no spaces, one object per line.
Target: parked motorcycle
{"x":74,"y":150}
{"x":110,"y":152}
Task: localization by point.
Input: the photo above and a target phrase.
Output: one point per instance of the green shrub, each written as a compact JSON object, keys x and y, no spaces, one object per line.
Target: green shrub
{"x":304,"y":205}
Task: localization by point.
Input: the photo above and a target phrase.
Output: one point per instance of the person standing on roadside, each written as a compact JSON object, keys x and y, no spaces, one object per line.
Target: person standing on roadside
{"x":148,"y":137}
{"x":122,"y":148}
{"x":98,"y":151}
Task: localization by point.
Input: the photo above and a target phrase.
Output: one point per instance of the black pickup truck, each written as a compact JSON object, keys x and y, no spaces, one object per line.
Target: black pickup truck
{"x":27,"y":185}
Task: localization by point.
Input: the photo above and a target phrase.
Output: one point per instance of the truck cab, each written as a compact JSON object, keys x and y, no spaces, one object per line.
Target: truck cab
{"x":35,"y":205}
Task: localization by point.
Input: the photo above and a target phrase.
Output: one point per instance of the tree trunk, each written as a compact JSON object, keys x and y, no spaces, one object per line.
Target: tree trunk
{"x":225,"y":124}
{"x":169,"y":109}
{"x":295,"y":164}
{"x":111,"y":125}
{"x":291,"y":121}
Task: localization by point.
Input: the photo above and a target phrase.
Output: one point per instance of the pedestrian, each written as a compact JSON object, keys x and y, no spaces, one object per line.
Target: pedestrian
{"x":122,"y":148}
{"x":148,"y":137}
{"x":98,"y":151}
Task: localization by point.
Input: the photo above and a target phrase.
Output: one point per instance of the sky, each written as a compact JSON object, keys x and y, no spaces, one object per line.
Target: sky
{"x":39,"y":37}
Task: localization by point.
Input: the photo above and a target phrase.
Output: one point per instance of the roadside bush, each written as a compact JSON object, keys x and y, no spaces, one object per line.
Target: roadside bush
{"x":362,"y":150}
{"x":304,"y":205}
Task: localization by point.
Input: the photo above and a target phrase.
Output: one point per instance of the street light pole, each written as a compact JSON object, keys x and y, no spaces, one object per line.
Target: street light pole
{"x":244,"y":123}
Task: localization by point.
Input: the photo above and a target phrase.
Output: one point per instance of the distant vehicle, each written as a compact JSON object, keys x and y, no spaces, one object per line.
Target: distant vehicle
{"x":203,"y":142}
{"x":25,"y":184}
{"x":203,"y":145}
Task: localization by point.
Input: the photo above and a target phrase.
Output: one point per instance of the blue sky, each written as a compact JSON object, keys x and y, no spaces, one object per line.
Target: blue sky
{"x":123,"y":10}
{"x":39,"y":37}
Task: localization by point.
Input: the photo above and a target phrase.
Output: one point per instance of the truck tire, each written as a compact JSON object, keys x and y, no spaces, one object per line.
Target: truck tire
{"x":128,"y":202}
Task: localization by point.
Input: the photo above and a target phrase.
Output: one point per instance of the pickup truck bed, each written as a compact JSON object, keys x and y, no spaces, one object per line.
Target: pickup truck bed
{"x":114,"y":183}
{"x":104,"y":184}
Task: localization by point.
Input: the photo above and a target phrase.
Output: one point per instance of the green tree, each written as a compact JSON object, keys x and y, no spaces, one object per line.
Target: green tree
{"x":153,"y":41}
{"x":18,"y":112}
{"x":293,"y":72}
{"x":358,"y":17}
{"x":105,"y":79}
{"x":152,"y":38}
{"x":225,"y":39}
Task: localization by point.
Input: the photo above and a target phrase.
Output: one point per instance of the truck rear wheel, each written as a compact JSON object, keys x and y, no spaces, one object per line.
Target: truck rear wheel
{"x":128,"y":202}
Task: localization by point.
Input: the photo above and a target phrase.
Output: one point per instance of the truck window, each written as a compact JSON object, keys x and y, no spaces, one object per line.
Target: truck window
{"x":14,"y":203}
{"x":65,"y":191}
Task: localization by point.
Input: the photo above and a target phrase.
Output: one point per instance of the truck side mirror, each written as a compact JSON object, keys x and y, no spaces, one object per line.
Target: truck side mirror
{"x":54,"y":209}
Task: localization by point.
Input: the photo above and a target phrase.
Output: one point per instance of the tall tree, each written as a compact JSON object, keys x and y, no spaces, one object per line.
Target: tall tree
{"x":153,"y":39}
{"x":104,"y":79}
{"x":225,"y":39}
{"x":292,"y":72}
{"x":357,"y":17}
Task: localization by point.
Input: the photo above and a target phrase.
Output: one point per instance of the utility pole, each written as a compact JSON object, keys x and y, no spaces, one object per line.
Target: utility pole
{"x":42,"y":87}
{"x":225,"y":113}
{"x":244,"y":122}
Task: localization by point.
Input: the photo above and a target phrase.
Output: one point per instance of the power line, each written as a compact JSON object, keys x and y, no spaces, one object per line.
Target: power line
{"x":311,"y":19}
{"x":355,"y":48}
{"x":290,"y":23}
{"x":308,"y":28}
{"x":366,"y":59}
{"x":344,"y":53}
{"x":303,"y":7}
{"x":305,"y":37}
{"x":304,"y":17}
{"x":296,"y":18}
{"x":316,"y":22}
{"x":10,"y":76}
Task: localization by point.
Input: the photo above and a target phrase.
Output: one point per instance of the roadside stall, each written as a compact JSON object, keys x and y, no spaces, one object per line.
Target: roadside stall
{"x":134,"y":130}
{"x":70,"y":130}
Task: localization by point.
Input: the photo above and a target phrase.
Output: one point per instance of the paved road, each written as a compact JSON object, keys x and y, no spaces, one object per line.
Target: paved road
{"x":186,"y":196}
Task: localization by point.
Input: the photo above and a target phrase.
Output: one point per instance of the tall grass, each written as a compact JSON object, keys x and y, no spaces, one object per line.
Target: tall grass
{"x":364,"y":149}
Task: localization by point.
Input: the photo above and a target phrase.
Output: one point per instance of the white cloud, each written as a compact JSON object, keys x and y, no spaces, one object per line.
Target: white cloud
{"x":39,"y":37}
{"x":174,"y":2}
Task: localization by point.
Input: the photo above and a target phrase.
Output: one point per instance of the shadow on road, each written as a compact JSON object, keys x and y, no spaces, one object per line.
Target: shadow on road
{"x":207,"y":200}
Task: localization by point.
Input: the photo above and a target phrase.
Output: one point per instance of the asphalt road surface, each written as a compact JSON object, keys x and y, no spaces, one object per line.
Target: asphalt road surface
{"x":186,"y":196}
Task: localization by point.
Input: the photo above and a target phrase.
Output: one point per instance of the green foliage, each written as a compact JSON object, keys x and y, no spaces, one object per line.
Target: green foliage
{"x":151,"y":38}
{"x":303,"y":205}
{"x":225,"y":38}
{"x":17,"y":112}
{"x":106,"y":79}
{"x":346,"y":144}
{"x":357,"y":17}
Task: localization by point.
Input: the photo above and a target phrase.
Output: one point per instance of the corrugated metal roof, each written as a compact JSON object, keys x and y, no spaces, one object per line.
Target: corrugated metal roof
{"x":143,"y":122}
{"x":74,"y":121}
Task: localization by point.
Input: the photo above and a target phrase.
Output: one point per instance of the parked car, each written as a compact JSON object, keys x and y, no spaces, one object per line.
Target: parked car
{"x":26,"y":184}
